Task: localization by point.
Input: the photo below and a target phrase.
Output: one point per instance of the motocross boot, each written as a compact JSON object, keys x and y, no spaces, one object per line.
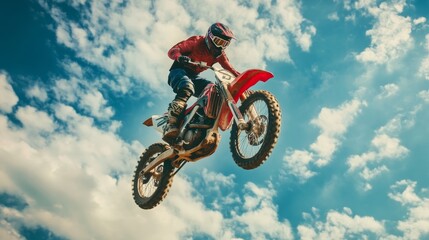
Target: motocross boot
{"x":175,"y":108}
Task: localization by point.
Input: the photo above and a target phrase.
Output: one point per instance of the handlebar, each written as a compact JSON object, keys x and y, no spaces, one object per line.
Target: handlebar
{"x":200,"y":64}
{"x":219,"y":72}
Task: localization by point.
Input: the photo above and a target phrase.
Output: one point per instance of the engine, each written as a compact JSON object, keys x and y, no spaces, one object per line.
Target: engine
{"x":193,"y":137}
{"x":197,"y":130}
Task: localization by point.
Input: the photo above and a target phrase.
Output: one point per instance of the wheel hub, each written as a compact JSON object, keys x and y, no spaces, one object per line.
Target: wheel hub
{"x":257,"y":129}
{"x":158,"y":173}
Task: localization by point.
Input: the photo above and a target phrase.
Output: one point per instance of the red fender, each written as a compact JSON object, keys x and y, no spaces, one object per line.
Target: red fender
{"x":237,"y":87}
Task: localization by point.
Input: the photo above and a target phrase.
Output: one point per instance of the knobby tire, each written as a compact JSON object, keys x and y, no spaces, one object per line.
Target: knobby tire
{"x":272,"y":131}
{"x":162,"y":188}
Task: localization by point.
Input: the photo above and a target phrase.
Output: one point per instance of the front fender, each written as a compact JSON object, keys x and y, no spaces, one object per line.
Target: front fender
{"x":246,"y":80}
{"x":237,"y":87}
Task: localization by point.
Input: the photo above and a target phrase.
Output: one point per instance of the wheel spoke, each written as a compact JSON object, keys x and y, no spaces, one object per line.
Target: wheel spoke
{"x":249,"y":143}
{"x":150,"y":188}
{"x":147,"y":188}
{"x":252,"y":146}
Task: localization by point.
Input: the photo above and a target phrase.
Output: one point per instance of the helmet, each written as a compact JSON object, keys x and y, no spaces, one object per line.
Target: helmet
{"x":219,"y":36}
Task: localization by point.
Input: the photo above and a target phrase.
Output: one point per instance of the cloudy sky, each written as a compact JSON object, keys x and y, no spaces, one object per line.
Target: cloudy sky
{"x":78,"y":77}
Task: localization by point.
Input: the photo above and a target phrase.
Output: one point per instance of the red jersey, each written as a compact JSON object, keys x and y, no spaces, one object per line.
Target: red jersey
{"x":196,"y":48}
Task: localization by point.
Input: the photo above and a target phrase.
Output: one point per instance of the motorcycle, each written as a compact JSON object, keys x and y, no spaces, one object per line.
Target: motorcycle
{"x":255,"y":128}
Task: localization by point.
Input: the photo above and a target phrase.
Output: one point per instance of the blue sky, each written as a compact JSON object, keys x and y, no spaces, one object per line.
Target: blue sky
{"x":352,"y":77}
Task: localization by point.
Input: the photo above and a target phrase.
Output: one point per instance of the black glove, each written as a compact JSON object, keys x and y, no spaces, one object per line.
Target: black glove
{"x":183,"y":59}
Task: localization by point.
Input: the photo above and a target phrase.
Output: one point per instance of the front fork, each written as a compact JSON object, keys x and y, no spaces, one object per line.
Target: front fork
{"x":238,"y":116}
{"x":253,"y":114}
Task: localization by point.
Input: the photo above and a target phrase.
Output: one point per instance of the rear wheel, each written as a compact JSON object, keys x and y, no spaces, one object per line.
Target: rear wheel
{"x":151,"y":188}
{"x":251,"y":147}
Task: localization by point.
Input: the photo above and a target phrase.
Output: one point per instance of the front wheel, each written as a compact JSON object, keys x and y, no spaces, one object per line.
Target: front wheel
{"x":149,"y":189}
{"x":251,"y":147}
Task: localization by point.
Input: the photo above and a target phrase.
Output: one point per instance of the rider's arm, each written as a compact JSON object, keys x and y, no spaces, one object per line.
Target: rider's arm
{"x":224,"y":62}
{"x":174,"y":53}
{"x":180,"y":48}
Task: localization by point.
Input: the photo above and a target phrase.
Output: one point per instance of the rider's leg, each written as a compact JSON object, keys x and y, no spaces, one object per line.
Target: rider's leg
{"x":175,"y":108}
{"x":184,"y":89}
{"x":199,"y":85}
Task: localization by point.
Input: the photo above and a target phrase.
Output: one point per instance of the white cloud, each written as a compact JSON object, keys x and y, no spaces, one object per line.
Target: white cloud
{"x":424,"y":95}
{"x":80,"y":37}
{"x":344,"y":224}
{"x":7,"y":231}
{"x":73,"y":68}
{"x":419,"y":20}
{"x":37,"y":92}
{"x":408,"y":195}
{"x":66,"y":90}
{"x":150,"y":104}
{"x":369,"y":174}
{"x":132,"y":39}
{"x":351,"y":18}
{"x":61,"y":163}
{"x":65,"y":171}
{"x":8,"y":97}
{"x":186,"y":204}
{"x":346,"y":4}
{"x":260,"y":215}
{"x":390,"y":35}
{"x":341,"y":225}
{"x":63,"y":36}
{"x":388,"y":90}
{"x":360,"y":161}
{"x":213,"y":178}
{"x":324,"y":146}
{"x":366,"y":4}
{"x":58,"y":161}
{"x":83,"y":94}
{"x":95,"y":104}
{"x":426,"y":44}
{"x":335,"y":121}
{"x":34,"y":120}
{"x":334,"y":16}
{"x":388,"y":147}
{"x":416,"y":223}
{"x":383,"y":148}
{"x":333,"y":124}
{"x":400,"y":122}
{"x":71,"y":170}
{"x":424,"y":66}
{"x":297,"y":163}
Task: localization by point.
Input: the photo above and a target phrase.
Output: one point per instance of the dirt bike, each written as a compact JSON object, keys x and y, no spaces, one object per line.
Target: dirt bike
{"x":254,"y":132}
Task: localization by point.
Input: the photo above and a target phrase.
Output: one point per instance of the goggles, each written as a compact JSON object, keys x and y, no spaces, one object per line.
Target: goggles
{"x":218,"y":42}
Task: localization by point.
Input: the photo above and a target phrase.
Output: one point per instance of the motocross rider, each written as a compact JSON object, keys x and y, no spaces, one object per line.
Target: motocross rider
{"x":183,"y":77}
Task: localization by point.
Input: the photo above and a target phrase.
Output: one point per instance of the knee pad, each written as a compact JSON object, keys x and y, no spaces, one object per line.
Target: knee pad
{"x":187,"y":86}
{"x":179,"y":80}
{"x":184,"y":94}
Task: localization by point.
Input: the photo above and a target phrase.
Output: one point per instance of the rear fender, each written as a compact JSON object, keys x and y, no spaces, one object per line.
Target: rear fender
{"x":237,"y":87}
{"x":157,"y":121}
